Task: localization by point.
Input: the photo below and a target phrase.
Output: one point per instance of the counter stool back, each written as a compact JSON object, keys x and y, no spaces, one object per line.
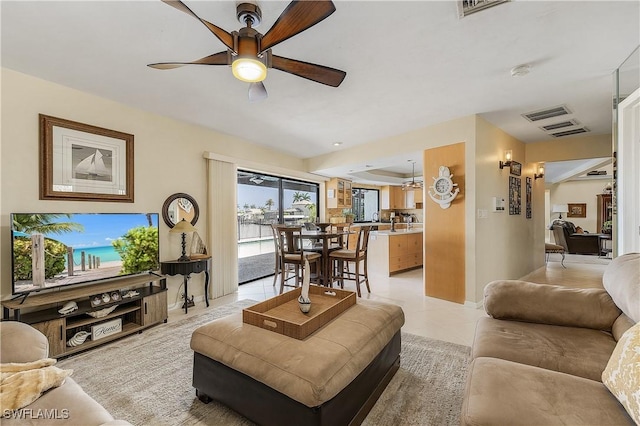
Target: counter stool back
{"x":341,"y":260}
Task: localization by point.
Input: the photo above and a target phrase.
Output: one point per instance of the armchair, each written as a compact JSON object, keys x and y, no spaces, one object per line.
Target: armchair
{"x":574,"y":243}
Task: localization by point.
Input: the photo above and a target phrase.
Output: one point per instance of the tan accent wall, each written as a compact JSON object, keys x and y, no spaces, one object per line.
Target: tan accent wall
{"x":506,"y":246}
{"x":445,"y":236}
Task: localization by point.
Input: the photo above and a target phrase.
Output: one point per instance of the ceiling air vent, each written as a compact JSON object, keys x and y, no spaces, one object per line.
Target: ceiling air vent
{"x":467,"y":7}
{"x":561,"y":125}
{"x":570,"y":132}
{"x":547,"y":113}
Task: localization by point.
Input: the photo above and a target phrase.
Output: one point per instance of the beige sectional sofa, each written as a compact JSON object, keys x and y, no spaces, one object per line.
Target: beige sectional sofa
{"x":67,"y":404}
{"x":539,"y":358}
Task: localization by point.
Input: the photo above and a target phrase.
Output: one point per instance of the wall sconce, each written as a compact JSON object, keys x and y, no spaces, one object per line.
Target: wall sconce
{"x":507,"y":159}
{"x":540,"y":173}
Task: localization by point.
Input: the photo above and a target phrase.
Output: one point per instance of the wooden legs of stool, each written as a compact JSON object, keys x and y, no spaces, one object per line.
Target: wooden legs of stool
{"x":345,"y":274}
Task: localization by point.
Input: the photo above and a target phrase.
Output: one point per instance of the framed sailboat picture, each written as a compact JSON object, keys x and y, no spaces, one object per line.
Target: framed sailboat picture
{"x":83,"y":162}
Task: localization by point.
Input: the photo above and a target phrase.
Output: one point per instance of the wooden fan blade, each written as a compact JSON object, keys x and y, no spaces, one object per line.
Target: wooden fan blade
{"x":220,"y":58}
{"x":297,"y":17}
{"x":222,"y":35}
{"x":319,"y":73}
{"x":257,"y":92}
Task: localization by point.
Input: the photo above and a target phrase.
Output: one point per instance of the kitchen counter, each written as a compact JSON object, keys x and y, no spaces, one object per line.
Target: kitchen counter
{"x":399,"y":232}
{"x":415,"y":224}
{"x":393,"y":252}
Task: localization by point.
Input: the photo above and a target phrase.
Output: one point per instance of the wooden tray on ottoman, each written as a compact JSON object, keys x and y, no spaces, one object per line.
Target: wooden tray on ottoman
{"x":282,"y":314}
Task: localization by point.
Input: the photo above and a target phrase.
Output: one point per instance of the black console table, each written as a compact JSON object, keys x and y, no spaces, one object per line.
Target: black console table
{"x":186,"y":268}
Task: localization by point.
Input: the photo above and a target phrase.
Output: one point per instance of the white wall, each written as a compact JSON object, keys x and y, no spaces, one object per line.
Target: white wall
{"x":578,"y":191}
{"x":168,"y":159}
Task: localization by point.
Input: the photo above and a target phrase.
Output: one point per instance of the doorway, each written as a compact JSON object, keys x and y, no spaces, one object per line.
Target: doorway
{"x":264,"y":200}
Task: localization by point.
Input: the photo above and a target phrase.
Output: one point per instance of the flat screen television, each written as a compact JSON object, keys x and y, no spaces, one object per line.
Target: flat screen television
{"x":50,"y":250}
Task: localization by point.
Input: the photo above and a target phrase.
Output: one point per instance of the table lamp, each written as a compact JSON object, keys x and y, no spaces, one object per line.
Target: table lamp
{"x":560,"y":208}
{"x":183,"y":227}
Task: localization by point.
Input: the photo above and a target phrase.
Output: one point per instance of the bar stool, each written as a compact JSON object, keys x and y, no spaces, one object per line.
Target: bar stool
{"x":289,"y":243}
{"x":337,"y":258}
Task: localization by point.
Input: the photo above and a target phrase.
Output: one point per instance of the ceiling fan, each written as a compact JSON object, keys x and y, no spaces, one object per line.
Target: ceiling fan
{"x":249,"y":52}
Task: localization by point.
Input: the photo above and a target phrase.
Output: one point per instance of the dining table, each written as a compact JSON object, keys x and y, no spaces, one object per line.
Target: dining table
{"x":323,"y":238}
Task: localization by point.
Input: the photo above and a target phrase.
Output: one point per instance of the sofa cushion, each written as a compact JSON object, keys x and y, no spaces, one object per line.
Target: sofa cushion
{"x":310,"y":371}
{"x":66,"y":405}
{"x":500,"y":392}
{"x":622,"y":324}
{"x":621,"y":279}
{"x":622,"y":375}
{"x":579,"y":351}
{"x":550,"y":304}
{"x":14,"y":331}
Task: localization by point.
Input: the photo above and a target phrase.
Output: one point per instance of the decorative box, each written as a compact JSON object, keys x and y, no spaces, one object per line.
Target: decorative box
{"x":105,"y":329}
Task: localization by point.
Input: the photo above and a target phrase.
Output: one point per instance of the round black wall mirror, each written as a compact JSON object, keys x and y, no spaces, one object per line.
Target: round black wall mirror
{"x":180,"y":206}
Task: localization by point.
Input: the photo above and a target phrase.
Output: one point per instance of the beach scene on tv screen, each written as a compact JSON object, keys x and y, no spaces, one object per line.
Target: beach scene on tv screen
{"x":51,"y":250}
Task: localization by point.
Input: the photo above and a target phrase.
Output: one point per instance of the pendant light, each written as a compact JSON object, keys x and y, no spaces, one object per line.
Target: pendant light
{"x":413,"y":184}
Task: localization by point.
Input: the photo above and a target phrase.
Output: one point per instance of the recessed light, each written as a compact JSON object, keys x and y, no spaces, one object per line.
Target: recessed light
{"x":337,"y":143}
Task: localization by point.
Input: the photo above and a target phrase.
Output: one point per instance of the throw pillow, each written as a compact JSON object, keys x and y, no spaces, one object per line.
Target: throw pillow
{"x":22,"y":384}
{"x":622,"y":374}
{"x":14,"y":367}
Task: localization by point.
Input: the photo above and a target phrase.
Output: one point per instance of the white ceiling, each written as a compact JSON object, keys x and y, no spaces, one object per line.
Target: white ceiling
{"x":409,"y":65}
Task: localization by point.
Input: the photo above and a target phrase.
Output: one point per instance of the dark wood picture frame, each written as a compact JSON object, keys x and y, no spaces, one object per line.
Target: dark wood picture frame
{"x":515,"y":196}
{"x":527,"y":197}
{"x":515,"y":168}
{"x":577,"y":210}
{"x":81,"y":162}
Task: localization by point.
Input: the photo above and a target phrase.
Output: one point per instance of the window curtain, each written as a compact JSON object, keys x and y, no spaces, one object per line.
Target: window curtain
{"x":222,"y":225}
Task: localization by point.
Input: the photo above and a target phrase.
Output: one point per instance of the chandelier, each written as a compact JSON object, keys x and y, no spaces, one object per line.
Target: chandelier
{"x":412,"y":184}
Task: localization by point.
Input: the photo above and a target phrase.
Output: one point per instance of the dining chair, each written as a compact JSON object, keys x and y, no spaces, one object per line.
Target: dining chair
{"x":292,"y":255}
{"x":341,"y":241}
{"x":340,"y":261}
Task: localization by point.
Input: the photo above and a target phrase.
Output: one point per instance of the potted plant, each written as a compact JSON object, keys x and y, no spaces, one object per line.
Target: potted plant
{"x":606,"y":227}
{"x":348,"y":216}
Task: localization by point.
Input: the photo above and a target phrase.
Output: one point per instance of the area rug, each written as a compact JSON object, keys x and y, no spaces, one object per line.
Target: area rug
{"x":255,"y":267}
{"x":146,"y":379}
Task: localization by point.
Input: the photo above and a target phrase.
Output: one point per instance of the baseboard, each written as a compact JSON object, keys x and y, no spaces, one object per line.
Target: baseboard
{"x":474,"y":305}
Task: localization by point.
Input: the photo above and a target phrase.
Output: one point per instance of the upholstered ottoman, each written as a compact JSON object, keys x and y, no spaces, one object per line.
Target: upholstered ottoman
{"x":333,"y":377}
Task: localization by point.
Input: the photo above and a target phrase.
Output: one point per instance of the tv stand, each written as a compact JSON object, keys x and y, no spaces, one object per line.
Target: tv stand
{"x":21,"y":296}
{"x":134,"y":314}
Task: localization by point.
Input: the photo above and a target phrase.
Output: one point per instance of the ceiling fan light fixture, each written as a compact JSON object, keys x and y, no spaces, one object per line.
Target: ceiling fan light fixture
{"x":406,"y":186}
{"x":249,"y":70}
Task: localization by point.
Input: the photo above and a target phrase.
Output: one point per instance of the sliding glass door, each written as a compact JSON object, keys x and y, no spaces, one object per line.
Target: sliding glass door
{"x":262,"y":201}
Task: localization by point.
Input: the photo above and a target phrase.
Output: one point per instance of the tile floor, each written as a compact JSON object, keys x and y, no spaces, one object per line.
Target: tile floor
{"x":424,"y":316}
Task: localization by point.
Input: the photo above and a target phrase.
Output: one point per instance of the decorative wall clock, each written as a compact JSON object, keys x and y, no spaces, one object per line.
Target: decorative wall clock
{"x":444,"y":190}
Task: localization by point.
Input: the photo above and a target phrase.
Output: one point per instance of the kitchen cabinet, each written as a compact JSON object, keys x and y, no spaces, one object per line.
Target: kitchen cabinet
{"x":392,"y":198}
{"x":418,"y":197}
{"x":339,"y":194}
{"x":413,"y":199}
